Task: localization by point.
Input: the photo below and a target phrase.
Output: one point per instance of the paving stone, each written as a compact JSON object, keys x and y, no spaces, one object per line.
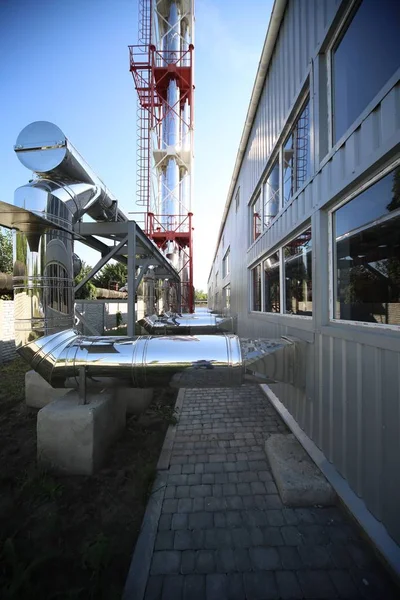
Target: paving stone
{"x":290,"y":516}
{"x":361,"y":554}
{"x":291,"y":536}
{"x":177,"y":479}
{"x":200,"y":491}
{"x":290,"y":557}
{"x":170,"y":491}
{"x":195,"y":479}
{"x":215,"y":504}
{"x":198,"y":504}
{"x":217,"y":490}
{"x":343,"y":583}
{"x":234,"y":502}
{"x":164,"y":524}
{"x":188,"y":561}
{"x":339,"y":555}
{"x":165,"y":562}
{"x":315,"y":557}
{"x":316,"y":584}
{"x":205,"y":561}
{"x":201,"y":520}
{"x":233,"y":519}
{"x":235,"y":586}
{"x":248,"y":502}
{"x":214,"y":467}
{"x":183,"y":540}
{"x":260,"y":586}
{"x":172,"y":587}
{"x":266,"y":559}
{"x":222,"y":477}
{"x":182,"y":491}
{"x":216,"y":587}
{"x":184,"y":505}
{"x":175,"y":469}
{"x":164,"y":540}
{"x":272,"y":536}
{"x":225,"y":560}
{"x":179,"y":521}
{"x":154,"y":587}
{"x":208,"y":478}
{"x":241,"y":538}
{"x":244,"y":489}
{"x":170,"y":506}
{"x":194,"y":587}
{"x":273,"y":501}
{"x":256,"y":534}
{"x":313,"y":535}
{"x":187,"y":469}
{"x":288,"y":585}
{"x":219,"y":519}
{"x":242,"y":560}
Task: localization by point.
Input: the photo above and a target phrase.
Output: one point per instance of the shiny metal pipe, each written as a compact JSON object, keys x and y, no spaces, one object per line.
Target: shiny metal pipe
{"x":194,"y":324}
{"x":180,"y":362}
{"x":174,"y":38}
{"x":43,"y":148}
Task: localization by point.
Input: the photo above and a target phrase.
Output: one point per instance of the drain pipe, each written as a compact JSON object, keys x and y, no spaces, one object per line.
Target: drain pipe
{"x":195,"y":324}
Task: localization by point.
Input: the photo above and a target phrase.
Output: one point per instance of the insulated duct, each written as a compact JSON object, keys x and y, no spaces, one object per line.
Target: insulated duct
{"x":194,"y":324}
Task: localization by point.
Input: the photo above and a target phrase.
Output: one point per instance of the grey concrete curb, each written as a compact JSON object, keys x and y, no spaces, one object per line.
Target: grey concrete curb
{"x":135,"y":586}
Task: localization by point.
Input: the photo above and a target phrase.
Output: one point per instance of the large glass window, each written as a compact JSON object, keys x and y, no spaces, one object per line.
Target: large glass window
{"x":256,"y":286}
{"x":296,"y":155}
{"x":365,"y":57}
{"x":298,"y":281}
{"x":271,"y":194}
{"x":272,"y":284}
{"x":367,"y":242}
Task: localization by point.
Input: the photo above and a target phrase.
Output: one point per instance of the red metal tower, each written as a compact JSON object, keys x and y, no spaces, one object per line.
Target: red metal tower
{"x":162,"y":68}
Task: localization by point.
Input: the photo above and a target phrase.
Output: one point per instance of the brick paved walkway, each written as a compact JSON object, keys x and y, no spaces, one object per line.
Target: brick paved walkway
{"x":223,"y":531}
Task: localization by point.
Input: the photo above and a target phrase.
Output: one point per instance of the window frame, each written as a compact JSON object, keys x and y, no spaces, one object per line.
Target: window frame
{"x":283,"y":274}
{"x":237,"y":198}
{"x":332,"y":270}
{"x":303,"y":100}
{"x":225,"y":272}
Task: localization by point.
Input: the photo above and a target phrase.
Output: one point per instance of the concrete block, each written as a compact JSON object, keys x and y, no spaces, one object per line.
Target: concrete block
{"x":73,"y":438}
{"x":38,"y":393}
{"x":299,"y":481}
{"x":137,"y":399}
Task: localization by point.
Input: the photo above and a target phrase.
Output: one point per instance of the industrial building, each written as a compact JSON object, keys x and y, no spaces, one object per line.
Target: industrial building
{"x":309,"y":245}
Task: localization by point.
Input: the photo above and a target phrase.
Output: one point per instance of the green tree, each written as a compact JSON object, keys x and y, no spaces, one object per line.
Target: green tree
{"x":6,"y":251}
{"x":200,"y":295}
{"x":87,"y":291}
{"x":112,"y":273}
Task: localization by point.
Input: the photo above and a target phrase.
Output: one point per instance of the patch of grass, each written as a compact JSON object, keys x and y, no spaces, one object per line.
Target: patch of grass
{"x":12,"y":377}
{"x":38,"y":483}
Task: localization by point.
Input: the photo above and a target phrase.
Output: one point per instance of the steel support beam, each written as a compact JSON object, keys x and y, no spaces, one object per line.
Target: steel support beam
{"x":131,"y":277}
{"x":101,"y":264}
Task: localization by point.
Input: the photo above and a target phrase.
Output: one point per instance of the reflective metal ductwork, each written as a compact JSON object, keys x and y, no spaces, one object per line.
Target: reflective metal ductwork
{"x":193,"y":324}
{"x":43,"y":148}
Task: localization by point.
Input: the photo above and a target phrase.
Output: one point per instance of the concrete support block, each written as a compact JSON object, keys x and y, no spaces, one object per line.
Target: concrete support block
{"x":137,"y":399}
{"x":38,"y":393}
{"x":298,"y":479}
{"x":73,"y":438}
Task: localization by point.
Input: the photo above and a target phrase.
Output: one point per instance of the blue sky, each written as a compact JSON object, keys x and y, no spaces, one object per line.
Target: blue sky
{"x":67,"y":62}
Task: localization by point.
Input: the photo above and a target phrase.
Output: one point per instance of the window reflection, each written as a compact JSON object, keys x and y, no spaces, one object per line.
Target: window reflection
{"x":256,"y":284}
{"x":271,"y":194}
{"x":366,"y":56}
{"x":367,"y":279}
{"x":296,"y":155}
{"x":298,"y":279}
{"x":272,"y":284}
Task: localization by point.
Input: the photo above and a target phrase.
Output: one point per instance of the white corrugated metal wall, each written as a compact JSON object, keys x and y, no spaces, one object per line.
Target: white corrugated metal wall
{"x":351,"y":408}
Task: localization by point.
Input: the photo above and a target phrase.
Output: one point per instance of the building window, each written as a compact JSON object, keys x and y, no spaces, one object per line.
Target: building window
{"x":366,"y":55}
{"x":296,"y":155}
{"x":271,"y":194}
{"x":272,"y":284}
{"x":256,"y":286}
{"x":227,"y":296}
{"x":237,"y":198}
{"x":298,"y":279}
{"x":255,"y":218}
{"x":367,"y":254}
{"x":225,"y":263}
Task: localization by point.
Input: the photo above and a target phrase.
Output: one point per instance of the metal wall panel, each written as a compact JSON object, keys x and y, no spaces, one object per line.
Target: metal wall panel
{"x":351,"y":405}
